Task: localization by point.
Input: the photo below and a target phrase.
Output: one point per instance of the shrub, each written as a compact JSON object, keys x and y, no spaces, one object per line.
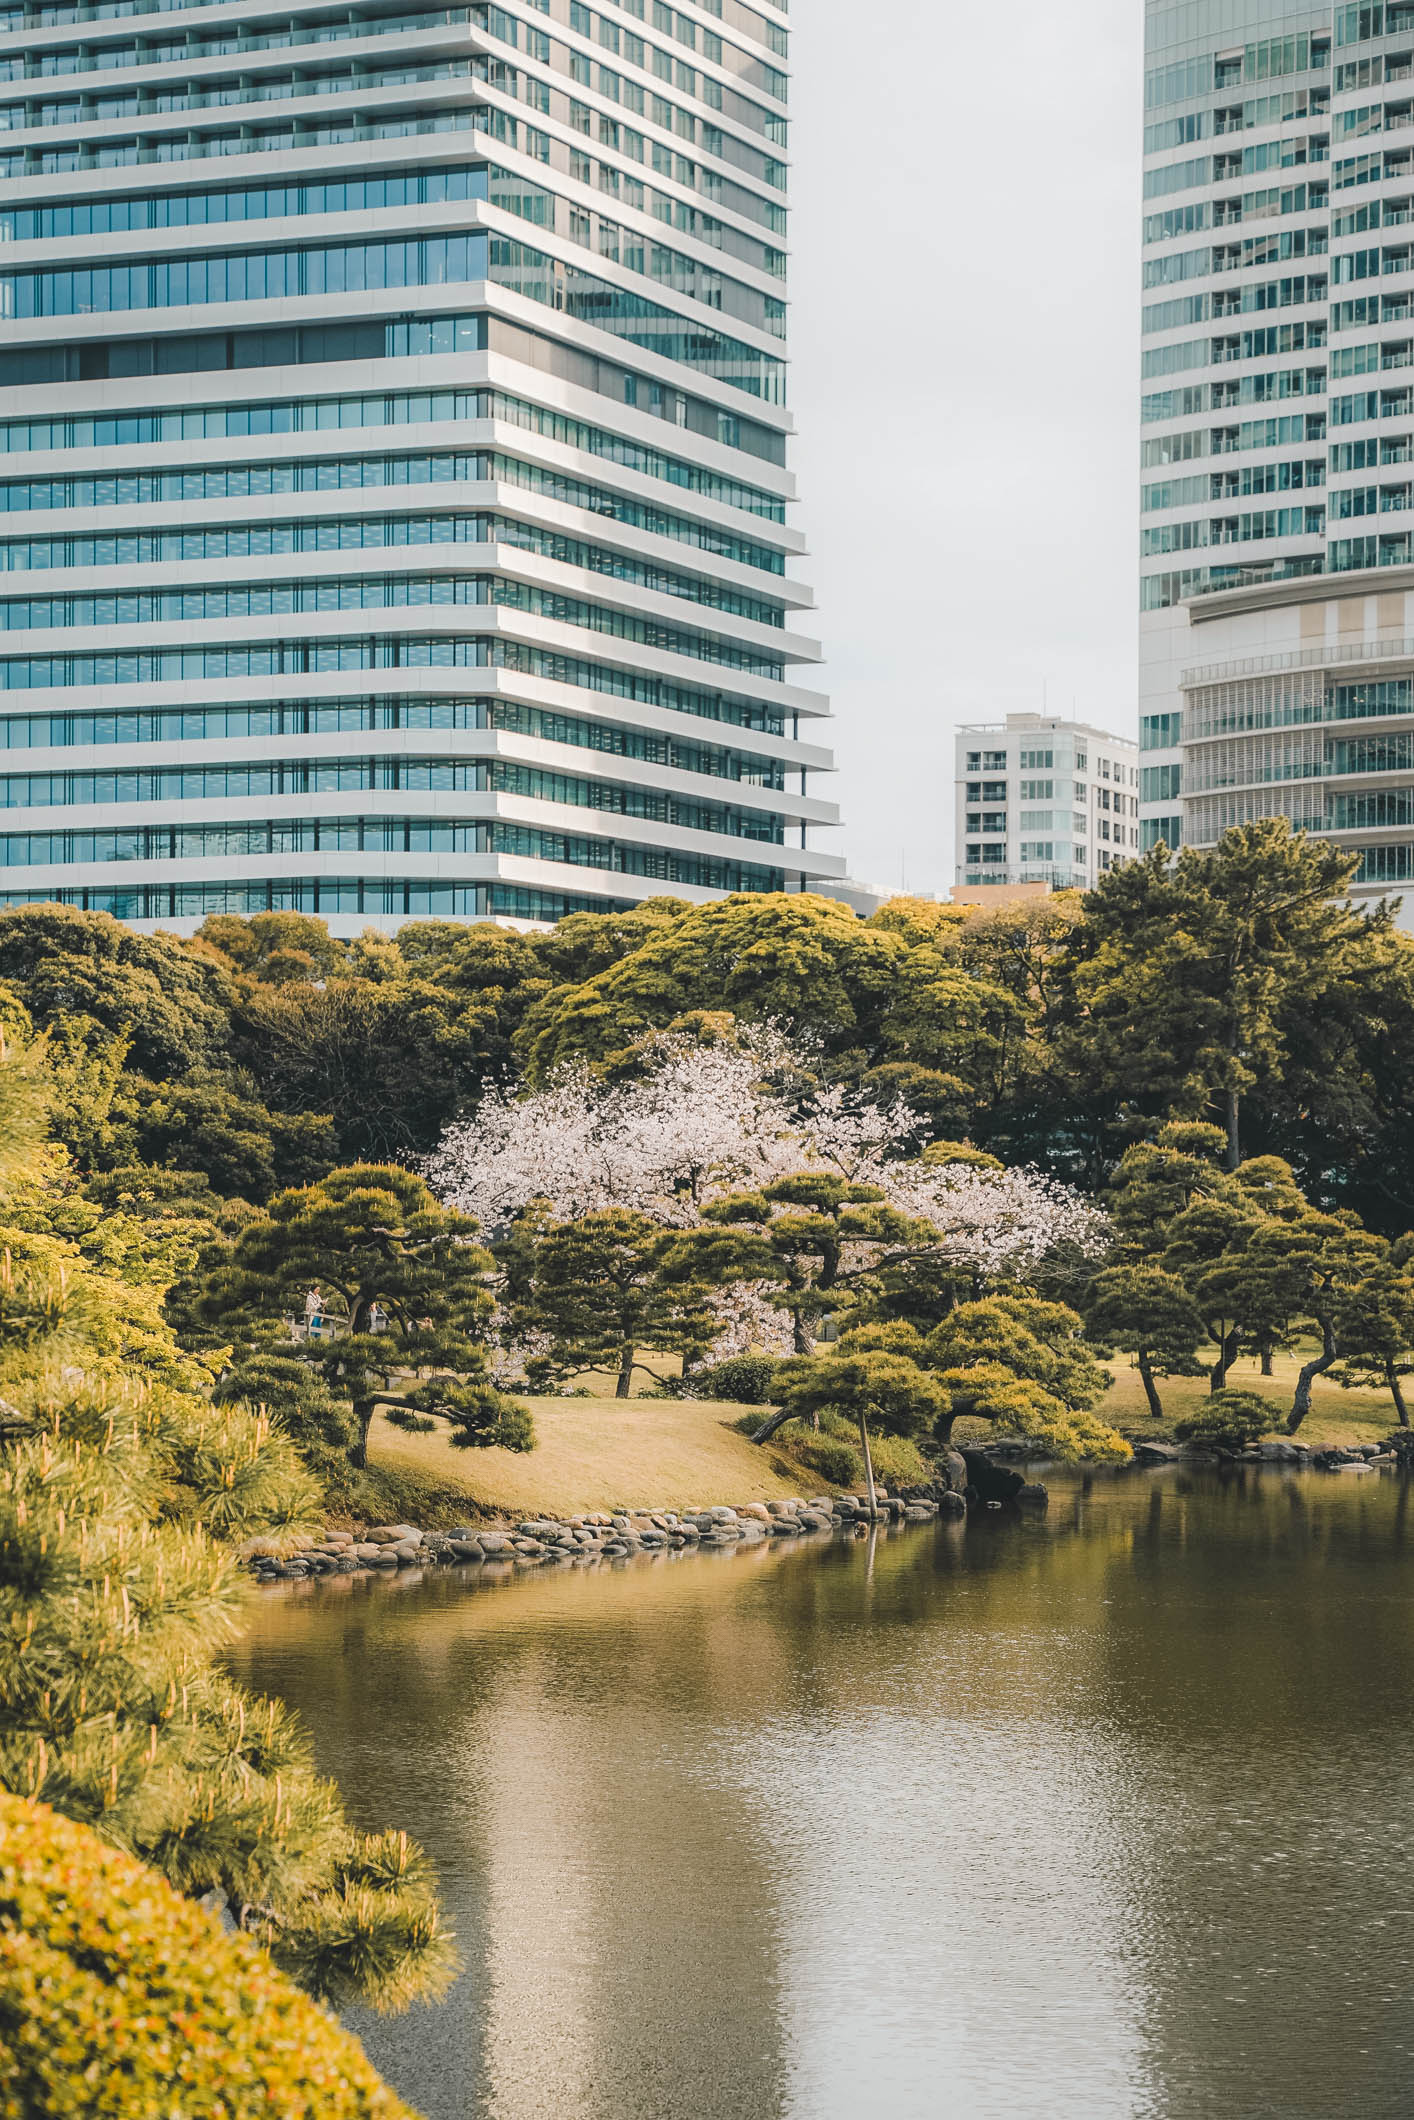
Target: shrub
{"x":119,"y":2000}
{"x":1231,"y":1418}
{"x":830,"y":1456}
{"x":743,"y":1379}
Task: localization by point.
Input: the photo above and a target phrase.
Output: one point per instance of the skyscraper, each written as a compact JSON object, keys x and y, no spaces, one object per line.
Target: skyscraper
{"x":1277,"y":635}
{"x":393,"y":411}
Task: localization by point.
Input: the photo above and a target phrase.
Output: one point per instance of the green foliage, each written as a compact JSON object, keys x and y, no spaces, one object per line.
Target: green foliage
{"x":119,"y":1488}
{"x":272,"y":1377}
{"x":1024,"y":1366}
{"x":1231,"y":1419}
{"x":741,"y":1379}
{"x":834,"y":1457}
{"x":610,"y":1284}
{"x":402,"y":1282}
{"x":879,"y":1390}
{"x":1149,"y":1313}
{"x":120,"y":2001}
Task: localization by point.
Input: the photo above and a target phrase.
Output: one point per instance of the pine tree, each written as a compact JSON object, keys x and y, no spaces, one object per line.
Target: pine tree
{"x":120,"y":1490}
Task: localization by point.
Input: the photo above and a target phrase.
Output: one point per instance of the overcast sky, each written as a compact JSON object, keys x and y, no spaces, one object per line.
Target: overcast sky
{"x":965,"y":342}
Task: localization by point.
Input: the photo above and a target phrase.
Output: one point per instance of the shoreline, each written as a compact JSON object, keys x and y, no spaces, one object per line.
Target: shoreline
{"x":535,"y":1542}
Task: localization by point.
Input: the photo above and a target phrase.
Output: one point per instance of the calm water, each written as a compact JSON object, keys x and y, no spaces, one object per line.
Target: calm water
{"x":1110,"y":1813}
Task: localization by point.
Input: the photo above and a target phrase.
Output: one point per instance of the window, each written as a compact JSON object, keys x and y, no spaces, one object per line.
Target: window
{"x":1159,"y":783}
{"x":1037,"y":790}
{"x":1033,"y":759}
{"x":1159,"y":732}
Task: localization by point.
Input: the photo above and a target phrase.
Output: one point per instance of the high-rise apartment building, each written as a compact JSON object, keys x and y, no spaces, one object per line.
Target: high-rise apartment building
{"x":1042,"y":800}
{"x":1277,"y":561}
{"x":392,"y":403}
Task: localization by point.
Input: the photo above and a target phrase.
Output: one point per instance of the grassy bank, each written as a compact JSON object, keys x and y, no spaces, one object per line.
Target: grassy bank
{"x":640,"y":1453}
{"x":1336,"y":1416}
{"x":603,"y":1453}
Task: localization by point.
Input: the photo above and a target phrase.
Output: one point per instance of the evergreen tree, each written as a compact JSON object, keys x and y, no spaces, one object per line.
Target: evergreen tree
{"x":610,"y":1286}
{"x":120,"y":1488}
{"x":404,"y":1304}
{"x":1148,"y":1313}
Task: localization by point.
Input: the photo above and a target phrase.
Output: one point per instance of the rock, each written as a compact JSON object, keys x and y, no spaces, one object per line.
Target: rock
{"x":1033,"y":1496}
{"x":916,"y":1513}
{"x":367,"y":1551}
{"x":493,"y":1542}
{"x":1278,"y":1452}
{"x":952,"y":1504}
{"x":756,"y":1510}
{"x":1150,"y":1453}
{"x":464,"y":1531}
{"x":393,"y":1535}
{"x":347,"y":1564}
{"x":722,"y":1515}
{"x":991,"y":1483}
{"x":784,"y":1527}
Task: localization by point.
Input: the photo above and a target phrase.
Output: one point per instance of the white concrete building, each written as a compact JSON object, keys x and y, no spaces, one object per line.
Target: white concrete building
{"x":1042,"y":800}
{"x":1277,"y":568}
{"x":392,"y":404}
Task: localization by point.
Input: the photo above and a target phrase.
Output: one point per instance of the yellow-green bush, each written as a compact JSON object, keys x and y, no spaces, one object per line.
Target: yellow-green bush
{"x":121,"y":2001}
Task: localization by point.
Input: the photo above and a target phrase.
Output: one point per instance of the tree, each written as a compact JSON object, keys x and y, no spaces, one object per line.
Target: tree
{"x":1149,"y":1314}
{"x":763,"y":956}
{"x":802,"y":1232}
{"x":320,"y":1425}
{"x":1206,"y":1243}
{"x":610,"y":1284}
{"x":690,"y":1112}
{"x":120,"y":1490}
{"x":886,"y":1390}
{"x":1024,"y":1365}
{"x":404,"y":1284}
{"x":120,"y":1999}
{"x":1191,"y":975}
{"x":1375,"y":1327}
{"x":217,"y":1125}
{"x":168,"y":1005}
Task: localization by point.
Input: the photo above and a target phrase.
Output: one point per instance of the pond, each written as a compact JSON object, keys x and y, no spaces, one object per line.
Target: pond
{"x":1106,"y":1812}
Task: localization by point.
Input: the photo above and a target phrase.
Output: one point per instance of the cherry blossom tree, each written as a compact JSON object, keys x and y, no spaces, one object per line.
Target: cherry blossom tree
{"x":699,"y":1118}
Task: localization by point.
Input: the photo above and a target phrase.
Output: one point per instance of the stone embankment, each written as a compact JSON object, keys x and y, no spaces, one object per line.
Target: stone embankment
{"x":1316,"y":1457}
{"x":540,"y":1542}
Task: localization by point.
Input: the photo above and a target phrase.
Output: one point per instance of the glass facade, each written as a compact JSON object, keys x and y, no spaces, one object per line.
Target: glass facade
{"x":1276,"y":505}
{"x":477,"y":369}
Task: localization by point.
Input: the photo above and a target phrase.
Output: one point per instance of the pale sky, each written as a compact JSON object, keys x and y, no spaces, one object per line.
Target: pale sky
{"x":965,"y":337}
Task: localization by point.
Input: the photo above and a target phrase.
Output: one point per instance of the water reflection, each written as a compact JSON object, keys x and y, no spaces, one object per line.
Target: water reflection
{"x":1101,"y":1814}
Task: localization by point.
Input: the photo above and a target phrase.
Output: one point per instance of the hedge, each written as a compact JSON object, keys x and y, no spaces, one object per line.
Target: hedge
{"x":119,"y":2000}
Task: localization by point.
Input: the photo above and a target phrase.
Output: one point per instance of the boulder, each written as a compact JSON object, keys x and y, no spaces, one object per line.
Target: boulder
{"x":1278,"y":1452}
{"x":758,"y":1510}
{"x":493,"y":1542}
{"x":1033,"y":1496}
{"x":722,"y":1515}
{"x":393,"y":1535}
{"x":989,"y":1482}
{"x":465,"y":1549}
{"x":951,"y":1504}
{"x":1149,"y":1453}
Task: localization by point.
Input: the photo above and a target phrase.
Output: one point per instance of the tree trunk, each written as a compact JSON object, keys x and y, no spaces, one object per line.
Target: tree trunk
{"x":1266,"y":1353}
{"x":1151,"y":1389}
{"x":363,"y":1415}
{"x":1392,"y":1379}
{"x":624,"y":1384}
{"x":1227,"y":1355}
{"x":1306,"y":1376}
{"x":764,"y":1433}
{"x":1234,"y":1152}
{"x":868,"y":1469}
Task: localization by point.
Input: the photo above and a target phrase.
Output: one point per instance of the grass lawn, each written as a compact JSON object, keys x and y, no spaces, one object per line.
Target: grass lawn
{"x":1336,"y":1416}
{"x":641,"y":1453}
{"x":604,"y":1453}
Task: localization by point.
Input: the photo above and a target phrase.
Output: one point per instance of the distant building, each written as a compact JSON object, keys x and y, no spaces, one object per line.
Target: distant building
{"x":1277,"y":508}
{"x":1041,"y":800}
